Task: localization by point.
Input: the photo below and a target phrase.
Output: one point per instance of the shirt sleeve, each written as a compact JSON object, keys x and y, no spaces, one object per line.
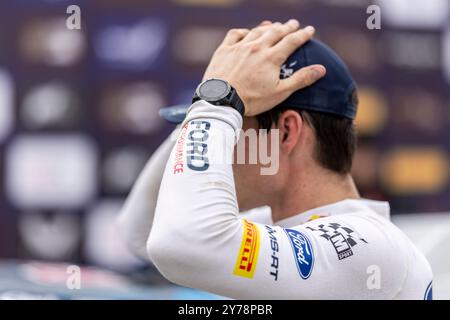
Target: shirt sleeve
{"x":261,"y":215}
{"x":136,"y":216}
{"x":199,"y":240}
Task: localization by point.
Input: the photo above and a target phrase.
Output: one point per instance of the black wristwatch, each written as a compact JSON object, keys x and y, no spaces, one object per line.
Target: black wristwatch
{"x":220,"y":93}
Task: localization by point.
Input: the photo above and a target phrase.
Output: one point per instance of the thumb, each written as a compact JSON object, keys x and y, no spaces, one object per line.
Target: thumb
{"x":303,"y":78}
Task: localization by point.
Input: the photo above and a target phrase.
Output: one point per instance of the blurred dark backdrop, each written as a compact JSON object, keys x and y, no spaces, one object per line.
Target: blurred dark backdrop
{"x":79,"y":108}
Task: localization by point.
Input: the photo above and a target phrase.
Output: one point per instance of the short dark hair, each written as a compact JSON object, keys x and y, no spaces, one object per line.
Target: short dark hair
{"x":335,"y":137}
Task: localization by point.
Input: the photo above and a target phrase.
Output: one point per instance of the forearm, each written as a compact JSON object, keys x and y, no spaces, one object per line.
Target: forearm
{"x":197,"y":211}
{"x":136,"y":217}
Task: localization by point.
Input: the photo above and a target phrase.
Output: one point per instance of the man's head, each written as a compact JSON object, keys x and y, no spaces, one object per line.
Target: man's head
{"x":315,"y":135}
{"x":315,"y":125}
{"x":309,"y":142}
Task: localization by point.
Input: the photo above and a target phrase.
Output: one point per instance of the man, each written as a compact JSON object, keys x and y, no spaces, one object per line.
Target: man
{"x":321,"y":240}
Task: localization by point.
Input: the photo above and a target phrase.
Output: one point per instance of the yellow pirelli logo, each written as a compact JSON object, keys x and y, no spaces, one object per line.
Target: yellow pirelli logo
{"x":317,"y":216}
{"x":248,"y":253}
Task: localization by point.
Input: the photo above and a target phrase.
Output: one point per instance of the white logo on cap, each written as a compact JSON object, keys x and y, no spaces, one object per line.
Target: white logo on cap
{"x":287,"y":70}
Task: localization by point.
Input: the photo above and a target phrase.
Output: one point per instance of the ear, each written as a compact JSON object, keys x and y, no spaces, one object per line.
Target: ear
{"x":291,"y":125}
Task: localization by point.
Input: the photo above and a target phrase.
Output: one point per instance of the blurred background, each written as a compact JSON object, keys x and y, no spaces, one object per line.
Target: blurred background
{"x":79,"y":119}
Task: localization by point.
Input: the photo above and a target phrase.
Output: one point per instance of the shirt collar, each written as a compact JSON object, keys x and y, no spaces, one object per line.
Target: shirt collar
{"x":342,"y":207}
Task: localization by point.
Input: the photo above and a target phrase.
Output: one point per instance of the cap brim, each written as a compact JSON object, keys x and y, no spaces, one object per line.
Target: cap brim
{"x":174,"y":114}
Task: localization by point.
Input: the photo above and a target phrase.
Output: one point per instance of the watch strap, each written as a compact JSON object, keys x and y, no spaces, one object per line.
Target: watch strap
{"x":236,"y":102}
{"x":233,"y":100}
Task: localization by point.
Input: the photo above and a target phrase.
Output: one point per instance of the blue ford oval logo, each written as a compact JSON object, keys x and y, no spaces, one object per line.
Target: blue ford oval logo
{"x":303,"y":252}
{"x":429,"y":292}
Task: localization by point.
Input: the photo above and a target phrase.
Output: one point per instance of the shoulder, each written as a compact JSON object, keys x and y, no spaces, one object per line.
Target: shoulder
{"x":262,"y":215}
{"x":365,"y":251}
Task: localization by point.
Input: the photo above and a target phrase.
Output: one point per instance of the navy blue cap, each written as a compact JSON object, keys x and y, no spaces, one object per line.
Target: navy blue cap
{"x":174,"y":114}
{"x":335,"y":93}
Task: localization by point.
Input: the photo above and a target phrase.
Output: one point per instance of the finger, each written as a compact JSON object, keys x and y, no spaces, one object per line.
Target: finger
{"x":302,"y":78}
{"x":257,"y":32}
{"x":265,"y":23}
{"x":234,"y":36}
{"x":278,"y":31}
{"x":292,"y":42}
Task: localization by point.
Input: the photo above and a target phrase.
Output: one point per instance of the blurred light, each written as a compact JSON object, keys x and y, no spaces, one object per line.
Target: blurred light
{"x":433,"y":244}
{"x":209,"y":3}
{"x":413,"y":50}
{"x":365,"y":166}
{"x":102,"y":245}
{"x":418,"y":108}
{"x":135,"y":46}
{"x":49,"y":171}
{"x":55,"y":274}
{"x":50,"y":105}
{"x":415,"y":170}
{"x":346,"y":3}
{"x":55,"y":237}
{"x":46,"y":3}
{"x":21,"y":295}
{"x":50,"y":42}
{"x":285,"y":3}
{"x":196,"y":45}
{"x":132,"y":108}
{"x":415,"y":13}
{"x":446,"y":53}
{"x":121,"y":168}
{"x":6,"y":104}
{"x":354,"y":47}
{"x":372,"y":111}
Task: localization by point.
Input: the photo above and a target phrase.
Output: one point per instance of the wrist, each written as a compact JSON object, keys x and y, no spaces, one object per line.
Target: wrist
{"x":207,"y":111}
{"x":219,"y":92}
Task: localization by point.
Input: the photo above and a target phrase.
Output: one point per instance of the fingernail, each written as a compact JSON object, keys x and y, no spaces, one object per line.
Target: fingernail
{"x":294,"y":22}
{"x":265,"y":22}
{"x":318,"y":72}
{"x":310,"y":29}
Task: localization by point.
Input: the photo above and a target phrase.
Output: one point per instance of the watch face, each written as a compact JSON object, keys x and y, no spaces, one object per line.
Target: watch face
{"x":214,"y":90}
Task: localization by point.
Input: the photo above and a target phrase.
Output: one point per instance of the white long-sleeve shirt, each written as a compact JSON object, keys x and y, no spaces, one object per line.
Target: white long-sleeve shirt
{"x":346,"y":250}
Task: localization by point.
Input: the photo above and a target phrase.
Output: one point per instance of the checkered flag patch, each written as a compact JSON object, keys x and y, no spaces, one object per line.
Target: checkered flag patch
{"x":341,"y":237}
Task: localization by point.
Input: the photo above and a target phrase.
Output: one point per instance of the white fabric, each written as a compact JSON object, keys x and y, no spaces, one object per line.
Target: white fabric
{"x":350,"y":250}
{"x":136,"y":217}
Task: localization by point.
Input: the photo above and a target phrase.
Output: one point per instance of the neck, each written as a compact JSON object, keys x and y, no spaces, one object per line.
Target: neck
{"x":311,"y":190}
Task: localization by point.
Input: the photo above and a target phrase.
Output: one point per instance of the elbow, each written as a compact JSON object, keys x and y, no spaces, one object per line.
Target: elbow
{"x":155,"y":250}
{"x":169,"y":257}
{"x":124,"y":230}
{"x":133,"y":240}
